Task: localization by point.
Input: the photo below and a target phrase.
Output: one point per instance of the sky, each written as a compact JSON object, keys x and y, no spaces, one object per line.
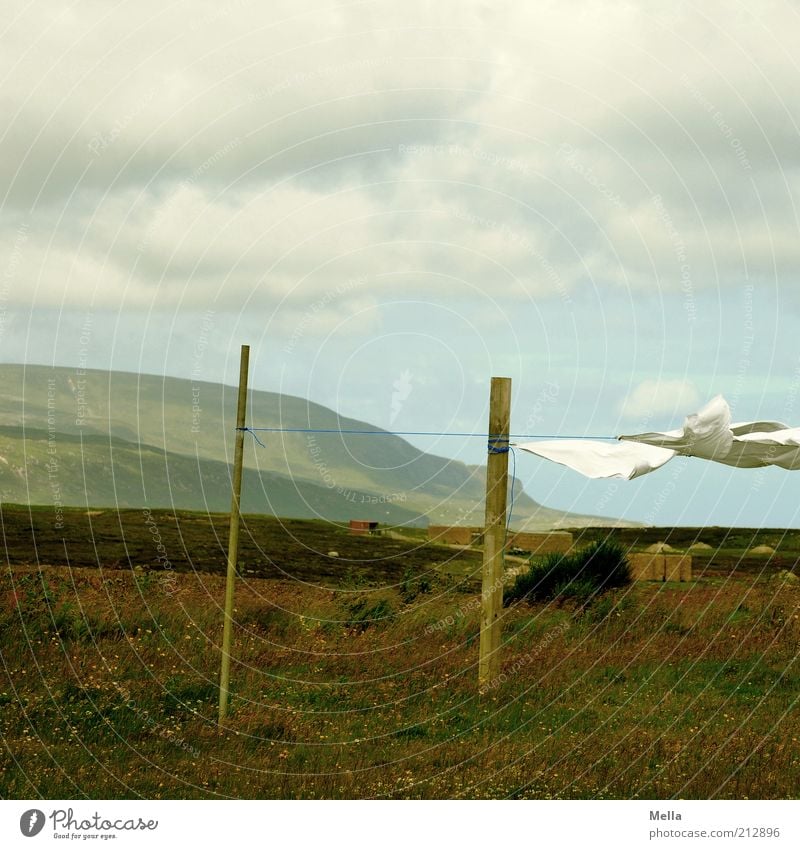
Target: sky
{"x":393,"y":202}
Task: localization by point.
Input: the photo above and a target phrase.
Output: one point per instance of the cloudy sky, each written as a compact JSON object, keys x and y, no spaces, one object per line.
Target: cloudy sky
{"x":597,"y":199}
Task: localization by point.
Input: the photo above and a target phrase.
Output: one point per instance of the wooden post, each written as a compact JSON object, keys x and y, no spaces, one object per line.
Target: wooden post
{"x":494,"y":534}
{"x":233,"y":534}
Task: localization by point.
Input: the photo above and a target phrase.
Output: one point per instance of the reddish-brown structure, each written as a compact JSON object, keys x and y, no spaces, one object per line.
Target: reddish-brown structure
{"x":363,"y":526}
{"x":452,"y":535}
{"x":557,"y":542}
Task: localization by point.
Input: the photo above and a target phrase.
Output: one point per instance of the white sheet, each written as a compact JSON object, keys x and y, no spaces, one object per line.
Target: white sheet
{"x":707,"y":434}
{"x":776,"y":448}
{"x":601,"y":459}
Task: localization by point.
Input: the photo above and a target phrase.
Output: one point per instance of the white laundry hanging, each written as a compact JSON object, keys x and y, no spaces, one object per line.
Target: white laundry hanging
{"x":707,"y":434}
{"x":601,"y":459}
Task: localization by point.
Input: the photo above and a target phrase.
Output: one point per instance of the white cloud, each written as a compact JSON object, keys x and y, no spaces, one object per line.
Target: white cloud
{"x":252,"y":154}
{"x":675,"y":398}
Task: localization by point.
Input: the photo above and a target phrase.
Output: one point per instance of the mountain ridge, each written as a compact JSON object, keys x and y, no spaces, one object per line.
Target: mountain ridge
{"x":191,"y":422}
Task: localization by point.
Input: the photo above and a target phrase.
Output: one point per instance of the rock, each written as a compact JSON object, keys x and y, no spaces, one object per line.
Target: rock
{"x":659,"y":548}
{"x":787,"y":576}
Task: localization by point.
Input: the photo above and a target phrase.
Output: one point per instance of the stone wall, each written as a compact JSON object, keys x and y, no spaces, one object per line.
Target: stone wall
{"x":559,"y":542}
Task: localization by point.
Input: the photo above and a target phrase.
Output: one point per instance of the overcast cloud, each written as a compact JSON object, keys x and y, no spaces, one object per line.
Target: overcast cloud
{"x":597,"y":199}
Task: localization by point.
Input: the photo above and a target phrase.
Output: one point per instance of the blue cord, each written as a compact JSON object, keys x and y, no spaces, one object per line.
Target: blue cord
{"x":414,"y":433}
{"x":496,"y":445}
{"x":499,"y":445}
{"x":255,"y":435}
{"x":513,"y":482}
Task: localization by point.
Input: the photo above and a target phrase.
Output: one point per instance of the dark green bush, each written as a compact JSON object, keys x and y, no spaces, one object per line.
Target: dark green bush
{"x":410,"y":589}
{"x":71,"y":623}
{"x":187,"y":696}
{"x":268,"y":620}
{"x":582,"y":575}
{"x":363,"y":614}
{"x":413,"y":732}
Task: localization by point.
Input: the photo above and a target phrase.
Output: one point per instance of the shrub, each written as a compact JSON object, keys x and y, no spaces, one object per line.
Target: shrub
{"x":72,"y":623}
{"x":410,"y":589}
{"x":268,"y":620}
{"x":185,"y":695}
{"x":582,"y":575}
{"x":412,"y":732}
{"x":363,"y":614}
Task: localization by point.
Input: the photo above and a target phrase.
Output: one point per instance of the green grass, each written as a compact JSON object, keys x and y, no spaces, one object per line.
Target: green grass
{"x":364,"y":613}
{"x":652,"y":691}
{"x":295,"y":549}
{"x":729,"y":547}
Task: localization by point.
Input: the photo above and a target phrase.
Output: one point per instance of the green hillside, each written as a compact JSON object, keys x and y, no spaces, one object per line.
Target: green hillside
{"x":130,"y":440}
{"x":101,"y":471}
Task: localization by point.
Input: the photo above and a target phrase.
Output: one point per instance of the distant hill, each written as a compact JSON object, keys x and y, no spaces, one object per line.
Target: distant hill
{"x":114,"y":438}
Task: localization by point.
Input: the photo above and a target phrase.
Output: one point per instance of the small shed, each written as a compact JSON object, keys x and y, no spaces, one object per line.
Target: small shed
{"x":363,"y":526}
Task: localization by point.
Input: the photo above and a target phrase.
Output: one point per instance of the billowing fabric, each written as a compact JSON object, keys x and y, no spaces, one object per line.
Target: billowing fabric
{"x":707,"y":434}
{"x":601,"y":459}
{"x":758,"y":449}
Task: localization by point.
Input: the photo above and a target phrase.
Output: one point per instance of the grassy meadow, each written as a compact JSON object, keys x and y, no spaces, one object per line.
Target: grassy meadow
{"x":354,"y":675}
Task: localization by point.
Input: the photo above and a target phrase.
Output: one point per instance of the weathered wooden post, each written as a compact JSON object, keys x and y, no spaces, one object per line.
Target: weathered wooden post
{"x":494,"y":534}
{"x":233,"y":534}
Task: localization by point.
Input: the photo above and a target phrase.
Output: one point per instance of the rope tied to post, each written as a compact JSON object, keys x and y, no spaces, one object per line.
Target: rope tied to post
{"x":255,"y":435}
{"x":498,"y":445}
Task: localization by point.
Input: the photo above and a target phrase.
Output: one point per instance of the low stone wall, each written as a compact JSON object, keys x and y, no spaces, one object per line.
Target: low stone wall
{"x":455,"y":535}
{"x":559,"y":542}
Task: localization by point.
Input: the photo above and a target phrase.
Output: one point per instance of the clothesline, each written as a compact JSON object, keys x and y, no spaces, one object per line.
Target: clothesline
{"x":413,"y":433}
{"x":493,"y":441}
{"x":708,"y":434}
